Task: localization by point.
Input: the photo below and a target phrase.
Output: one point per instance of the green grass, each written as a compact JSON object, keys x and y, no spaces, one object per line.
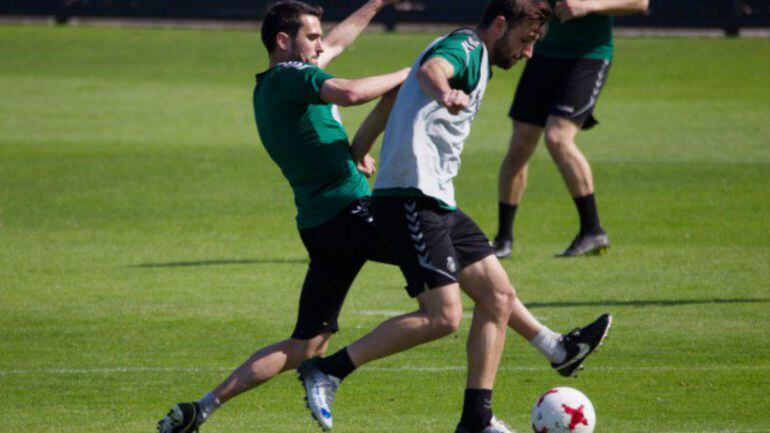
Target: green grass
{"x":123,"y":151}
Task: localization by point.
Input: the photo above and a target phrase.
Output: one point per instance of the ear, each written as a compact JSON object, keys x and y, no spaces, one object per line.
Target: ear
{"x":283,"y":41}
{"x":500,"y":24}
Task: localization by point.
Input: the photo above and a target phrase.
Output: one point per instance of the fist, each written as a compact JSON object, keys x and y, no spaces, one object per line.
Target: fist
{"x":569,"y":9}
{"x":455,"y":101}
{"x":367,"y":167}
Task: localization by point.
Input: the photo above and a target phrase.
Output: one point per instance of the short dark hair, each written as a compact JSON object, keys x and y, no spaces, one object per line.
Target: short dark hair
{"x":285,"y":16}
{"x":516,"y":11}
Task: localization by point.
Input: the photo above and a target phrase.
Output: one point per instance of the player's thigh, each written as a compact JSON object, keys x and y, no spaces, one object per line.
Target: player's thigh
{"x":415,"y":230}
{"x":326,"y":285}
{"x":351,"y":233}
{"x":481,"y":275}
{"x":487,"y":283}
{"x":469,"y":241}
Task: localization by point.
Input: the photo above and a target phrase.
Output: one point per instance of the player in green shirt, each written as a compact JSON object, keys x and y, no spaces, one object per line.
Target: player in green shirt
{"x":555,"y":97}
{"x":300,"y":127}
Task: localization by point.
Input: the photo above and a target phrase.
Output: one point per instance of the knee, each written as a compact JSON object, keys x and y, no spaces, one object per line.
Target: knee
{"x":300,"y":350}
{"x":499,"y":302}
{"x":447,"y":321}
{"x":559,"y":143}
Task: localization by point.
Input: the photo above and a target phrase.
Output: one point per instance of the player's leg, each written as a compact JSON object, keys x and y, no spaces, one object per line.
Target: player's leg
{"x":440,"y":312}
{"x":574,"y":101}
{"x":529,"y":112}
{"x":485,"y":281}
{"x":566,"y":353}
{"x":560,"y":136}
{"x":487,"y":284}
{"x":268,"y":362}
{"x":512,"y":181}
{"x":439,"y":315}
{"x":327,"y":281}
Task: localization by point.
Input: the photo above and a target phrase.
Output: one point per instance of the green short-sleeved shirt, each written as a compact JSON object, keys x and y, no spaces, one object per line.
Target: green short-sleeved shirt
{"x":463,"y":50}
{"x":588,"y":37}
{"x":305,"y":137}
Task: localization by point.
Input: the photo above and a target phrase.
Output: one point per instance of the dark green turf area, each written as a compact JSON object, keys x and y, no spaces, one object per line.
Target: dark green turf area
{"x":147,"y":243}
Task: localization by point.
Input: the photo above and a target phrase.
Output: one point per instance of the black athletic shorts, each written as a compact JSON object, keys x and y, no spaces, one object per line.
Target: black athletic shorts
{"x":566,"y":88}
{"x":431,"y":245}
{"x":338,"y":249}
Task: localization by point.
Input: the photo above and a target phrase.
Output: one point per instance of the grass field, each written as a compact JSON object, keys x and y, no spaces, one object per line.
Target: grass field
{"x":147,"y":243}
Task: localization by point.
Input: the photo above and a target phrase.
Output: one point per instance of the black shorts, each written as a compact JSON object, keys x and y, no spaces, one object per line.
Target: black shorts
{"x":565,"y":88}
{"x":431,"y":245}
{"x":338,"y":249}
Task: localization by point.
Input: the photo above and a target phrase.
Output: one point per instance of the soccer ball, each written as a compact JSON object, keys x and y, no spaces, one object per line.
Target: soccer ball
{"x":563,"y":410}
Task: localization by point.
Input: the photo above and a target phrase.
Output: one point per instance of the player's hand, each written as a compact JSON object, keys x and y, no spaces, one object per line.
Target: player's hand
{"x":367,"y":167}
{"x":569,"y":9}
{"x":455,"y":101}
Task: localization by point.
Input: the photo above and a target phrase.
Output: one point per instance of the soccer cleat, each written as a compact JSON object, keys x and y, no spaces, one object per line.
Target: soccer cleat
{"x":182,"y":418}
{"x":319,"y":392}
{"x":503,"y":247}
{"x":584,"y":245}
{"x":495,"y":426}
{"x":580,"y":343}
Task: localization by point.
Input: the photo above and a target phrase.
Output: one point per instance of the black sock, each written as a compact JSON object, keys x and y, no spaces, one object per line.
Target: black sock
{"x":477,"y":409}
{"x":505,"y":215}
{"x":338,"y":365}
{"x":589,"y":216}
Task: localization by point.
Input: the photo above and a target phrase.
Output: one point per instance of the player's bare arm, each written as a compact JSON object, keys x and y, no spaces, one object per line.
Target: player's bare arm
{"x":370,"y":129}
{"x":570,"y":9}
{"x":359,"y":91}
{"x":344,"y":33}
{"x":433,"y":77}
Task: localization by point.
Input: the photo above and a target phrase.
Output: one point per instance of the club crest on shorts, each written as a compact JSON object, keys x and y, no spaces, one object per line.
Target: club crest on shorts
{"x":451,"y":265}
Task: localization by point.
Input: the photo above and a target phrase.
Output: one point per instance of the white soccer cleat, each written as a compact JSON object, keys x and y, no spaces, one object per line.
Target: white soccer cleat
{"x":319,"y":392}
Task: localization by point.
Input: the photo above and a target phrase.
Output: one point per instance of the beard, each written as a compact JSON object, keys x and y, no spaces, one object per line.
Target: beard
{"x":502,"y":58}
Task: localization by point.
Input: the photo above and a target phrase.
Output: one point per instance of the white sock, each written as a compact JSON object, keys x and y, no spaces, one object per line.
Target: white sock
{"x":549,"y":344}
{"x":208,"y":404}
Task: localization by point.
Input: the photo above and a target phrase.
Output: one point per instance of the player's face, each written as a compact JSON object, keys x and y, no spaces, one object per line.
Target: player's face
{"x":517,"y":43}
{"x":307,"y":46}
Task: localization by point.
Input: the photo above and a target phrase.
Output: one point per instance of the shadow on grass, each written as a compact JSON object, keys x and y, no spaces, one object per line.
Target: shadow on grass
{"x":220,"y":263}
{"x":647,"y":303}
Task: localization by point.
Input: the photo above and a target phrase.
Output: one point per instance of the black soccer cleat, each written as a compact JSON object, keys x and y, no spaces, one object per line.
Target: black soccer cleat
{"x":580,"y":343}
{"x":495,"y":426}
{"x":182,"y":418}
{"x":586,"y":245}
{"x":503,"y":247}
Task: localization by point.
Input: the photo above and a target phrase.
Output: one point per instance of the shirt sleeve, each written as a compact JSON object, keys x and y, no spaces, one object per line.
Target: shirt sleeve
{"x":463,"y":51}
{"x":303,"y":82}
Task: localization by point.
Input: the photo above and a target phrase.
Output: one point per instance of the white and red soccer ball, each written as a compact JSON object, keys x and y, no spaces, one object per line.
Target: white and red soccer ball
{"x":563,"y":410}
